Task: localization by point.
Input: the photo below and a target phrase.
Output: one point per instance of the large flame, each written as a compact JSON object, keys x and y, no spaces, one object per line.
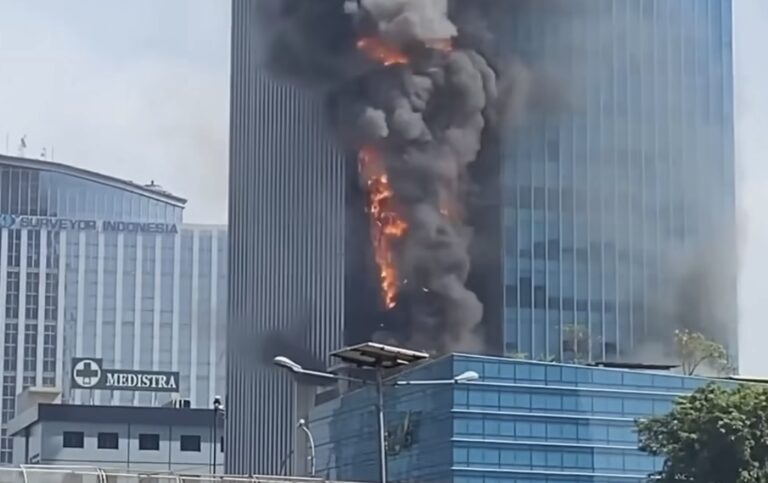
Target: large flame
{"x":386,"y":225}
{"x":381,"y":52}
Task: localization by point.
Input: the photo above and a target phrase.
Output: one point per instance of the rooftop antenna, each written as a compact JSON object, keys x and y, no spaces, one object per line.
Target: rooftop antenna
{"x":22,"y":145}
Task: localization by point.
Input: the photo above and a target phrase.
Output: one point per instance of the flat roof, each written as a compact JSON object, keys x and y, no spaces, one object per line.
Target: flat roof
{"x":79,"y":413}
{"x":93,"y":177}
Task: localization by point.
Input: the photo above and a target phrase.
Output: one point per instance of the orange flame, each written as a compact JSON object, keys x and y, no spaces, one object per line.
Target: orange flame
{"x":386,"y":224}
{"x":381,"y":52}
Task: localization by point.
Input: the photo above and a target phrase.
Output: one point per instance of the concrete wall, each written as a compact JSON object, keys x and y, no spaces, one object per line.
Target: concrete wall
{"x":46,"y":439}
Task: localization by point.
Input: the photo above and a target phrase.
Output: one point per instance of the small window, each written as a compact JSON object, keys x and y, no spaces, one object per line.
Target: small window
{"x":149,"y":442}
{"x":107,"y":441}
{"x":73,"y":439}
{"x":190,"y":443}
{"x":221,"y":444}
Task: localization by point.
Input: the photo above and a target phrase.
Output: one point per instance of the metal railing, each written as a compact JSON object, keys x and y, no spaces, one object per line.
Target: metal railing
{"x":85,"y":474}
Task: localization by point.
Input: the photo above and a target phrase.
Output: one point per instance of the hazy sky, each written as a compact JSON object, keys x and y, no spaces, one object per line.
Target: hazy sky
{"x":139,"y":89}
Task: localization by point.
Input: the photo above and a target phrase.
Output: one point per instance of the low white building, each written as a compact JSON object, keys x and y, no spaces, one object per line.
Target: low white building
{"x":119,"y":438}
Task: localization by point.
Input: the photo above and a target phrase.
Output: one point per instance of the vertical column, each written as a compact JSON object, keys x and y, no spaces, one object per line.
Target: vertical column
{"x":215,"y":325}
{"x":80,"y":295}
{"x":3,"y":290}
{"x":119,"y":310}
{"x":22,"y":313}
{"x":156,"y":309}
{"x":60,"y":310}
{"x":175,"y":316}
{"x":80,"y":304}
{"x":41,"y":306}
{"x":195,"y":305}
{"x":100,"y":295}
{"x":137,"y":309}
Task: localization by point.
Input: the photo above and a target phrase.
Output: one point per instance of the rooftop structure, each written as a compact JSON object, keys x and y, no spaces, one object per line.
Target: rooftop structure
{"x":151,"y":190}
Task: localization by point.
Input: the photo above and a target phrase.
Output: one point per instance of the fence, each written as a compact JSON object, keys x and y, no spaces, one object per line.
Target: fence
{"x":77,"y":474}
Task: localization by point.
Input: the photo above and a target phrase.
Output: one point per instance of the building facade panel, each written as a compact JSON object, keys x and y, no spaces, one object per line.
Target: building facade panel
{"x":608,"y":193}
{"x":522,"y":421}
{"x":80,"y":282}
{"x":286,"y":246}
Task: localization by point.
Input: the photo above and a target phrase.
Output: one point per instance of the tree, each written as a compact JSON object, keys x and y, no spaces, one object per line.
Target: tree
{"x":715,"y":435}
{"x":694,"y":350}
{"x":576,"y":343}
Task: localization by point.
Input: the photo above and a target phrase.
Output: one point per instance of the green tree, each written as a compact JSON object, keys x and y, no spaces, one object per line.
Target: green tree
{"x":576,"y":343}
{"x":696,"y":350}
{"x":715,"y":435}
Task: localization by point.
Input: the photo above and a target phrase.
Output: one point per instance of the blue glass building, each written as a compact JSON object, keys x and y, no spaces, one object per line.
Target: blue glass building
{"x":625,"y":161}
{"x":521,"y":422}
{"x":627,"y":169}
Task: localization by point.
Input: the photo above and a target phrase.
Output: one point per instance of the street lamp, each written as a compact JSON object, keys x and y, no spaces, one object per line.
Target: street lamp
{"x":295,"y":368}
{"x":302,"y":424}
{"x":217,"y":407}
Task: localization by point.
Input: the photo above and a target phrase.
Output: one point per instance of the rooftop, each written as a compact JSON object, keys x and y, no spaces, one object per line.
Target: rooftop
{"x":151,"y":190}
{"x":111,"y":414}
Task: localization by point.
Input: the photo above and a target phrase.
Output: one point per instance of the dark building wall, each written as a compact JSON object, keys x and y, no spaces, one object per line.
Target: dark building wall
{"x":287,"y":246}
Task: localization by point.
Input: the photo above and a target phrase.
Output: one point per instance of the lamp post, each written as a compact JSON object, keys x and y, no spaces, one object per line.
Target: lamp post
{"x":217,"y":406}
{"x":293,"y":367}
{"x":302,"y":424}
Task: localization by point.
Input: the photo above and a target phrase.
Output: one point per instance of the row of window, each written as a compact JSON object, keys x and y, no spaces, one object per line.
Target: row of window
{"x":527,"y":297}
{"x":147,"y":441}
{"x":35,"y":193}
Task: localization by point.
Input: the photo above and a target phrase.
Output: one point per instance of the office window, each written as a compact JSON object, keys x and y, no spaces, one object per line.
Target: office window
{"x":190,"y":443}
{"x":149,"y":442}
{"x":107,"y":441}
{"x":511,"y":296}
{"x":73,"y":439}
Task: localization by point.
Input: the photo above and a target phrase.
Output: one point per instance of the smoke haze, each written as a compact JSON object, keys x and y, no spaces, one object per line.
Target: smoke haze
{"x":417,"y":107}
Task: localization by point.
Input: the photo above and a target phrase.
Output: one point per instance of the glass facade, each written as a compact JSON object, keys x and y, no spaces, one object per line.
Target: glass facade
{"x":630,"y":162}
{"x":521,"y":422}
{"x":137,"y":299}
{"x":35,"y":192}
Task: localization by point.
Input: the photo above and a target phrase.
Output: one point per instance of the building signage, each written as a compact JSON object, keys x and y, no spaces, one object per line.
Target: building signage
{"x":61,"y":224}
{"x":88,"y":373}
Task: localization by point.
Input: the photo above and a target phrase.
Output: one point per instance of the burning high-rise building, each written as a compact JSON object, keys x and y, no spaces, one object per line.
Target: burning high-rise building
{"x":505,"y":176}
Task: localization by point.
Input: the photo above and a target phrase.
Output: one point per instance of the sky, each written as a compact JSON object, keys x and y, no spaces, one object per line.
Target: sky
{"x":139,"y":89}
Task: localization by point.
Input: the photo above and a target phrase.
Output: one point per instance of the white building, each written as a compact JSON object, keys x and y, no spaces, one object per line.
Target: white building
{"x":94,"y":266}
{"x":122,"y":438}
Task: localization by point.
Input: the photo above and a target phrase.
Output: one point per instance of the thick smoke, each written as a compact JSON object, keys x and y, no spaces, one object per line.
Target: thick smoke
{"x":422,"y":106}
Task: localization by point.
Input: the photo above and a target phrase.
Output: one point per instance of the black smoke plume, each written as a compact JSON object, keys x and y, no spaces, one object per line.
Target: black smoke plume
{"x":423,"y":112}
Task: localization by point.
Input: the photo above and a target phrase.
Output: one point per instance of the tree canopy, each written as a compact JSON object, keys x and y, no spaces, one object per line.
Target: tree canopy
{"x":715,"y":435}
{"x":696,"y":350}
